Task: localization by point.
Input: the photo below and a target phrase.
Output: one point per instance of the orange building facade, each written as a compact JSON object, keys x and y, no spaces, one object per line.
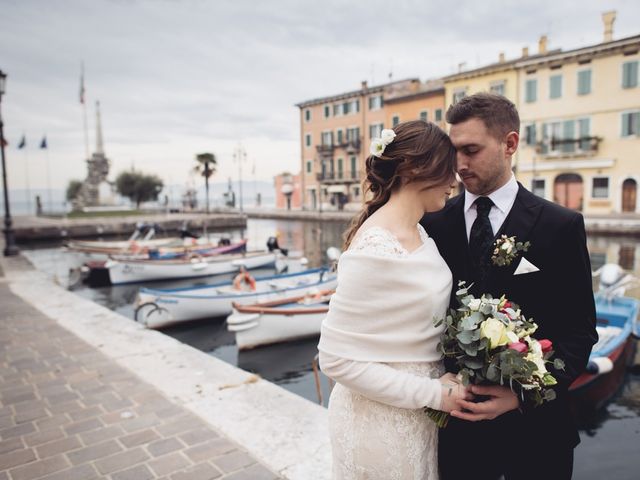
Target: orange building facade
{"x":288,"y":191}
{"x":335,"y":133}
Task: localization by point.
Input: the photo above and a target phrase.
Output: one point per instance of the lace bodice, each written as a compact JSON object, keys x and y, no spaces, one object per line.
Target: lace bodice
{"x":380,"y":241}
{"x":378,"y":430}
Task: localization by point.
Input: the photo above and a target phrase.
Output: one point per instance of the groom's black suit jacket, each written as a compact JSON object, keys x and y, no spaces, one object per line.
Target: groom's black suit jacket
{"x":558,"y":297}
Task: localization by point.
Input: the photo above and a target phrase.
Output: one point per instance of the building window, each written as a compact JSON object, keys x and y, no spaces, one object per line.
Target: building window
{"x":537,"y":187}
{"x":584,"y":82}
{"x":355,"y":106}
{"x":531,"y":90}
{"x":459,"y":94}
{"x":555,"y":86}
{"x":307,"y":139}
{"x":438,"y":115}
{"x":309,"y":166}
{"x":497,"y":88}
{"x":530,"y":134}
{"x":327,"y":111}
{"x":584,"y":130}
{"x":307,"y":115}
{"x":356,"y":192}
{"x":630,"y":74}
{"x":354,"y":167}
{"x":327,"y":139}
{"x":340,"y":169}
{"x":375,"y":103}
{"x":395,"y":120}
{"x":630,"y":124}
{"x":346,"y":108}
{"x":375,"y":130}
{"x":353,"y":134}
{"x":337,"y":110}
{"x":423,"y":116}
{"x":600,"y":187}
{"x":339,"y":136}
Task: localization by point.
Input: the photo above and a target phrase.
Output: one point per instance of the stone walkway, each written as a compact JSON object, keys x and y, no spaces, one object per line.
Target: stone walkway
{"x":68,"y":412}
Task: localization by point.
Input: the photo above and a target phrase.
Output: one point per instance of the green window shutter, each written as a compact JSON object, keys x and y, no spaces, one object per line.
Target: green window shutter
{"x":531,"y":91}
{"x":630,"y":75}
{"x":339,"y":137}
{"x":585,"y":129}
{"x":353,"y":167}
{"x":308,"y":167}
{"x":584,"y":82}
{"x":568,"y":133}
{"x":555,"y":86}
{"x":439,"y":115}
{"x":546,"y":133}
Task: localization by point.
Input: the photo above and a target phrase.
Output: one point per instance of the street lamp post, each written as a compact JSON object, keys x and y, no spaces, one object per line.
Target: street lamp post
{"x":10,"y":247}
{"x":240,"y":155}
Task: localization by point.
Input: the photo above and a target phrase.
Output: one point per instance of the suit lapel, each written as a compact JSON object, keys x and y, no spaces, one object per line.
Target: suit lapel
{"x":519,"y":222}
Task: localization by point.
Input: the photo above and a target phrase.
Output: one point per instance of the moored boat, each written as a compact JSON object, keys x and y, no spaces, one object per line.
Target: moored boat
{"x":161,"y":307}
{"x":617,"y":323}
{"x":134,"y":270}
{"x":278,"y":321}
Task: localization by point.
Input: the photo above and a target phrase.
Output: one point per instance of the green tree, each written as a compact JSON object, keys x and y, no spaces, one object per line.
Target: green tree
{"x":206,"y":167}
{"x":73,"y":189}
{"x":138,"y":187}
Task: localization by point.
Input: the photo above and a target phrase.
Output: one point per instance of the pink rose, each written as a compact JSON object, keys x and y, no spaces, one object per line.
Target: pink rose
{"x":546,"y":345}
{"x":519,"y":347}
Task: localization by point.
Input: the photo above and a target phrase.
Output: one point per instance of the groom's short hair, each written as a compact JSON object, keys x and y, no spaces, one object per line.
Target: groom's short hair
{"x":498,"y":113}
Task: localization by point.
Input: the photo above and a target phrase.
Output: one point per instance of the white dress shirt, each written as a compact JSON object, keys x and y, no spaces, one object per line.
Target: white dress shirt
{"x":503,"y":199}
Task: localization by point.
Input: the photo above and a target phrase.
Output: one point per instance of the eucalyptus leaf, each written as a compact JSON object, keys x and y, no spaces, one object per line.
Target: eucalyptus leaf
{"x":558,"y":364}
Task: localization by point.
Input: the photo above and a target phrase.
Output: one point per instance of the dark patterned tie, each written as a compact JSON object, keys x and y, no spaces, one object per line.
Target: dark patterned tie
{"x":481,"y":236}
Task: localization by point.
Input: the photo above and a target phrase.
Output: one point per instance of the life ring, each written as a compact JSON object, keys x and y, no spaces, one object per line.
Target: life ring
{"x":243,"y":280}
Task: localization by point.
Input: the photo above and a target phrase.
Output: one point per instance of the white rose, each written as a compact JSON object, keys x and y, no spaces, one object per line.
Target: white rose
{"x":541,"y":368}
{"x":387,"y":136}
{"x":495,"y":331}
{"x":513,"y":338}
{"x":475,"y":304}
{"x":507,"y":247}
{"x":377,"y":147}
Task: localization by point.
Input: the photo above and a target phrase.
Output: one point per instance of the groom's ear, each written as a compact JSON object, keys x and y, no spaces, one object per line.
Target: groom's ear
{"x":511,"y":143}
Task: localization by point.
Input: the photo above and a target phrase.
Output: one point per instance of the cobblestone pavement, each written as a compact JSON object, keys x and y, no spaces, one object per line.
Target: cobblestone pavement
{"x":68,"y":412}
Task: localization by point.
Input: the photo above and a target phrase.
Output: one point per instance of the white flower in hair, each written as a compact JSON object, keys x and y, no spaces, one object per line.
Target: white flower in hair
{"x":378,"y":145}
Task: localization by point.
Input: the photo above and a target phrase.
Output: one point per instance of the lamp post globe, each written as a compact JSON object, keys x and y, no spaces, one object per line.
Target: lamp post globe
{"x":10,"y":247}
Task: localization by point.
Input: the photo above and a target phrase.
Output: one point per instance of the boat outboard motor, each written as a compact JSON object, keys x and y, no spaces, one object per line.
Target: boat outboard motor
{"x":272,"y":244}
{"x":224,"y":242}
{"x":184,"y":233}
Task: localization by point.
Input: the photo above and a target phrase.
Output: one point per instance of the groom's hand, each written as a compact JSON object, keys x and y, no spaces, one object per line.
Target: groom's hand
{"x":501,"y":400}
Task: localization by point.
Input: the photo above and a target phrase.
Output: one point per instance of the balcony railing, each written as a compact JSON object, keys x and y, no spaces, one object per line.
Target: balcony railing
{"x":339,"y":177}
{"x":569,"y":146}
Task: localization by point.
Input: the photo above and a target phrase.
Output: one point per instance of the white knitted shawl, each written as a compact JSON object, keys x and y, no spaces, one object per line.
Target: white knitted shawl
{"x":383,"y":309}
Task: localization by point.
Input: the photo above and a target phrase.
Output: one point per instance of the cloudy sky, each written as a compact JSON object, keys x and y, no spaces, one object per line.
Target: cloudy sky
{"x":179,"y":77}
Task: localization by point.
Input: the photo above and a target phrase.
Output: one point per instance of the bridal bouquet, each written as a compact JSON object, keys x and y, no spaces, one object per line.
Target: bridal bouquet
{"x":491,"y":342}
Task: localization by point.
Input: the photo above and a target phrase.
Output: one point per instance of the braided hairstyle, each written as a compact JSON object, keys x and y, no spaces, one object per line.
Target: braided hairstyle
{"x":420,"y":152}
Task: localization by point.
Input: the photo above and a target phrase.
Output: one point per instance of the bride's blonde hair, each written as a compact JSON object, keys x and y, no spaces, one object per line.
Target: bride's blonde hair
{"x":420,"y":152}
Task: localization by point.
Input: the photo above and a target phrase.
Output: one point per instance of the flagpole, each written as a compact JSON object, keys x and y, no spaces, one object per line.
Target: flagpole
{"x":46,"y":148}
{"x":84,"y":112}
{"x":26,"y":169}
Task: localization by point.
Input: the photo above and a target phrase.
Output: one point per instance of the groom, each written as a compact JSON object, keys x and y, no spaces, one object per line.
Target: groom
{"x":551,"y":282}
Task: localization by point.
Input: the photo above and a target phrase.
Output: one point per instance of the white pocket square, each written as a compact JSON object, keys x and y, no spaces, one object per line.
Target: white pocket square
{"x":525,"y":266}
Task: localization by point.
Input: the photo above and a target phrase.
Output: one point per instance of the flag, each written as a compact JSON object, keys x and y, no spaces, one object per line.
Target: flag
{"x":82,"y":85}
{"x":23,"y":142}
{"x":43,"y":143}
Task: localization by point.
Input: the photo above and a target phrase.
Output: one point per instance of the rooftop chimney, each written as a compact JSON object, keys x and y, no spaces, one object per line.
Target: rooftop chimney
{"x":608,"y":18}
{"x":542,"y":45}
{"x":462,"y":66}
{"x":501,"y":57}
{"x":525,"y":52}
{"x":364,"y":85}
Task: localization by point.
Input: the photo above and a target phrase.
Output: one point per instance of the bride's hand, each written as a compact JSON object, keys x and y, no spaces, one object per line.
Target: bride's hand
{"x":452,"y":391}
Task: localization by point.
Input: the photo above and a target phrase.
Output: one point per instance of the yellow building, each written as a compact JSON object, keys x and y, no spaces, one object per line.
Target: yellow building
{"x":580,"y":119}
{"x":580,"y":113}
{"x":335,"y":132}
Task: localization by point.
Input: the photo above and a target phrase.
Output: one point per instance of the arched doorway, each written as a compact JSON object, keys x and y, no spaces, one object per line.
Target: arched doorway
{"x":568,"y":190}
{"x":629,"y":193}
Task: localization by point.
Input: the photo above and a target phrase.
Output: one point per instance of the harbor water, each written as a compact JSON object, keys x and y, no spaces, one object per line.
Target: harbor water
{"x":610,"y":436}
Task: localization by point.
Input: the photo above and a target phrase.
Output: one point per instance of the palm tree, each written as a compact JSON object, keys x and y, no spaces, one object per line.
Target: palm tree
{"x":206,"y":167}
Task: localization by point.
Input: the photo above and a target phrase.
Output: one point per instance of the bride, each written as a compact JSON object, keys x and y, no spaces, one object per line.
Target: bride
{"x":378,"y":341}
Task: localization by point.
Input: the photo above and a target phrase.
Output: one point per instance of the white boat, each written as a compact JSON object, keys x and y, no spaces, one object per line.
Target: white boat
{"x":161,"y":307}
{"x":135,"y":270}
{"x":278,"y":321}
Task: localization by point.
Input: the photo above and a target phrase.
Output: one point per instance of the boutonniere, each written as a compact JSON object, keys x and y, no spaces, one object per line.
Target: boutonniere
{"x":506,"y":249}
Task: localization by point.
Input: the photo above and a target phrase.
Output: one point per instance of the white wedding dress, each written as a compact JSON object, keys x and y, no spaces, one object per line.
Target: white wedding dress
{"x":377,"y":424}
